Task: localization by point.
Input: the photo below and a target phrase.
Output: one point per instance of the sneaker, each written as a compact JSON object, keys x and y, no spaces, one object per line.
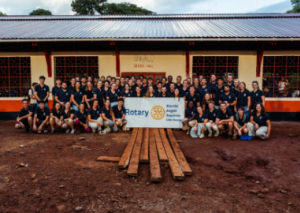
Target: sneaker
{"x":216,"y":135}
{"x":68,"y":131}
{"x":128,"y":129}
{"x":100,"y":132}
{"x":39,"y":132}
{"x":94,"y":130}
{"x":187,"y":132}
{"x":73,"y":131}
{"x":124,"y":128}
{"x":52,"y":131}
{"x":201,"y":136}
{"x":99,"y":128}
{"x":209,"y":135}
{"x":228,"y":137}
{"x":234,"y":137}
{"x":30,"y":131}
{"x":78,"y":131}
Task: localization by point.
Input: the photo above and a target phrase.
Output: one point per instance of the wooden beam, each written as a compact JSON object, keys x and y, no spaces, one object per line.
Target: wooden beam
{"x":144,"y":156}
{"x":173,"y":163}
{"x":160,"y":147}
{"x":179,"y":155}
{"x":109,"y":159}
{"x":154,"y":162}
{"x":135,"y":156}
{"x":124,"y":161}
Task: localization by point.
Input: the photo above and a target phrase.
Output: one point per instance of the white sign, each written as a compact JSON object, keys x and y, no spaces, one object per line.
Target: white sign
{"x":154,"y":112}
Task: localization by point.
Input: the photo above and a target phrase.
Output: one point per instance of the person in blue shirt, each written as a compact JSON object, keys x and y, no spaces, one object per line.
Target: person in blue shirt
{"x":67,"y":118}
{"x":260,"y":124}
{"x":24,"y":119}
{"x":150,"y":92}
{"x":95,"y":121}
{"x":55,"y":117}
{"x":112,"y":95}
{"x":127,"y":93}
{"x":228,"y":98}
{"x":189,"y":115}
{"x":108,"y":118}
{"x":99,"y":94}
{"x":241,"y":120}
{"x":243,"y":98}
{"x":164,"y":93}
{"x":81,"y":122}
{"x":200,"y":124}
{"x":41,"y":118}
{"x":211,"y":125}
{"x":72,"y":86}
{"x":63,"y":95}
{"x":225,"y":120}
{"x":144,"y":86}
{"x":119,"y":114}
{"x":257,"y":95}
{"x":88,"y":95}
{"x":41,"y":91}
{"x":55,"y":89}
{"x":178,"y":84}
{"x":213,"y":81}
{"x":77,"y":96}
{"x":171,"y":89}
{"x":192,"y":96}
{"x":230,"y":82}
{"x":218,"y":90}
{"x":158,"y":88}
{"x":203,"y":89}
{"x":184,"y":90}
{"x":138,"y":92}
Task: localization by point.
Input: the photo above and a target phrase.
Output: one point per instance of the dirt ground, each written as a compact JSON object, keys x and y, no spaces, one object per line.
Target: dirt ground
{"x":48,"y":175}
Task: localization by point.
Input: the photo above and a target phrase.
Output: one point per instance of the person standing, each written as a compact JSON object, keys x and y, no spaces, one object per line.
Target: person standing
{"x":257,"y":95}
{"x":228,"y":98}
{"x":83,"y":82}
{"x":218,"y":91}
{"x":72,"y":86}
{"x":213,"y":81}
{"x":32,"y":98}
{"x":144,"y":87}
{"x":41,"y":92}
{"x":99,"y":94}
{"x":63,"y":95}
{"x":55,"y":89}
{"x":243,"y":98}
{"x":127,"y":92}
{"x":24,"y":119}
{"x":138,"y":92}
{"x":88,"y":95}
{"x":192,"y":96}
{"x":164,"y":93}
{"x":178,"y":83}
{"x":77,"y":96}
{"x":150,"y":92}
{"x":112,"y":95}
{"x":184,"y":90}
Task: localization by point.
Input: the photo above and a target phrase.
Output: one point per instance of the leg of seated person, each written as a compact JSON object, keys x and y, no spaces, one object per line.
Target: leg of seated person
{"x":245,"y":131}
{"x":93,"y":126}
{"x":230,"y":128}
{"x":262,"y":132}
{"x":215,"y":127}
{"x":208,"y":126}
{"x":251,"y":129}
{"x":184,"y":127}
{"x":193,"y":132}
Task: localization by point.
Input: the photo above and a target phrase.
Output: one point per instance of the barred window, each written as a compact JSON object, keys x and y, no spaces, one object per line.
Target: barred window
{"x":219,"y":65}
{"x":15,"y":76}
{"x":75,"y":66}
{"x":281,"y":76}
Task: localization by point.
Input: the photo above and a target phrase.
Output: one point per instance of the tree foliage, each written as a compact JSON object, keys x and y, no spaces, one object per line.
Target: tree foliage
{"x":123,"y":9}
{"x":296,"y":6}
{"x":87,"y":7}
{"x":2,"y":14}
{"x":40,"y":12}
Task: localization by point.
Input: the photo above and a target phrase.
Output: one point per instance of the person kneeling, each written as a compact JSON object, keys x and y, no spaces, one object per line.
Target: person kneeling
{"x":41,"y":118}
{"x":81,"y":119}
{"x":94,"y":118}
{"x":200,"y":124}
{"x":212,"y":115}
{"x":188,"y":122}
{"x":119,"y":113}
{"x":240,"y":123}
{"x":24,"y":119}
{"x":225,"y":120}
{"x":66,"y":118}
{"x":108,"y":118}
{"x":260,"y":124}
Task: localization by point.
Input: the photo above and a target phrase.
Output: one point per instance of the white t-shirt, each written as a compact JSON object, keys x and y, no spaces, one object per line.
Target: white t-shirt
{"x":32,"y":101}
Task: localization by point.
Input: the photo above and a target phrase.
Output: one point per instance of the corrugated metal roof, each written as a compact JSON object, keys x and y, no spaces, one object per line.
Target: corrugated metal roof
{"x":268,"y":25}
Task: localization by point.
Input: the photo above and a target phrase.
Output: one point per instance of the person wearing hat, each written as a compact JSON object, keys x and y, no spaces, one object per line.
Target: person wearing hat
{"x":217,"y":91}
{"x":228,"y":98}
{"x":240,"y":122}
{"x":41,"y":92}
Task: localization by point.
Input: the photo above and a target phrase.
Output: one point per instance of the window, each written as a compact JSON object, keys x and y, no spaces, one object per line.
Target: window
{"x":15,"y":76}
{"x":219,"y":65}
{"x":69,"y":67}
{"x":281,"y":76}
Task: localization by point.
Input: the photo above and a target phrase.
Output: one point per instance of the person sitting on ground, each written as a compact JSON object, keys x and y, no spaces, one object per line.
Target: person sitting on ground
{"x":95,"y":121}
{"x":108,"y":118}
{"x":212,"y":113}
{"x":41,"y":118}
{"x":260,"y":124}
{"x":55,"y":117}
{"x":63,"y":95}
{"x":77,"y":95}
{"x":67,"y":118}
{"x":241,"y":120}
{"x":199,"y":128}
{"x":24,"y":119}
{"x":189,"y":120}
{"x":225,"y":119}
{"x":119,"y":114}
{"x":81,"y":122}
{"x":164,"y":93}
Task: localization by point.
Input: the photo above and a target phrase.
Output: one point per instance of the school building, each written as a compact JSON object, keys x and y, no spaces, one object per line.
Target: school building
{"x":262,"y":47}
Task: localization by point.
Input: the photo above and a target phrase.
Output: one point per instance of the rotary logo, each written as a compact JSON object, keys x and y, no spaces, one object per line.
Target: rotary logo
{"x":157,"y":112}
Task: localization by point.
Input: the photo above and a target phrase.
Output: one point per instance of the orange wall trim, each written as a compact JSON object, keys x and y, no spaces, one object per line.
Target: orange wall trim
{"x":271,"y":106}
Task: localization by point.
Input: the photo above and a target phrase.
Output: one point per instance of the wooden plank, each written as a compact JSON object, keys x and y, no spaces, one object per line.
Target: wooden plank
{"x":173,"y":163}
{"x":109,"y":159}
{"x":135,"y":156}
{"x":179,"y":155}
{"x":124,"y":161}
{"x":160,"y":147}
{"x":144,"y":156}
{"x":154,"y":162}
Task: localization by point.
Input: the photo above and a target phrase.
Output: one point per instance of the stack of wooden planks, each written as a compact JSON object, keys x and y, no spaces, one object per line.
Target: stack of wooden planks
{"x":153,"y":146}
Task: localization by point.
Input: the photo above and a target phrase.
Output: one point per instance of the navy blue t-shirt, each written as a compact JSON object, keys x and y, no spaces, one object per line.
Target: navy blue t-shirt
{"x":127,"y":94}
{"x":95,"y":114}
{"x":138,"y":96}
{"x":202,"y":91}
{"x":113,"y":97}
{"x":218,"y":92}
{"x":256,"y":96}
{"x":242,"y":121}
{"x":184,"y":92}
{"x":230,"y":98}
{"x":160,"y":95}
{"x":118,"y":113}
{"x":200,"y":119}
{"x":190,"y":112}
{"x":195,"y":98}
{"x":212,"y":85}
{"x":63,"y":96}
{"x":78,"y":95}
{"x":24,"y":112}
{"x":89,"y":94}
{"x":144,"y":89}
{"x":212,"y":115}
{"x":55,"y":113}
{"x":41,"y":115}
{"x":71,"y":88}
{"x":42,"y":91}
{"x":81,"y":116}
{"x":242,"y":98}
{"x":224,"y":116}
{"x":178,"y":86}
{"x":261,"y":120}
{"x":106,"y":113}
{"x":99,"y":93}
{"x":68,"y":114}
{"x":54,"y":90}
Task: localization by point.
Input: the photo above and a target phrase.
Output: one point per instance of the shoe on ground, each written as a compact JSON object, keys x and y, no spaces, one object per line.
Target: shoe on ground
{"x":30,"y":131}
{"x":228,"y":137}
{"x":45,"y":131}
{"x":201,"y":136}
{"x":39,"y":132}
{"x":78,"y":131}
{"x":216,"y":135}
{"x":73,"y":131}
{"x":52,"y":131}
{"x":209,"y":135}
{"x":94,"y":130}
{"x":127,"y":129}
{"x":68,"y":131}
{"x":100,"y":132}
{"x":124,"y":128}
{"x":99,"y":128}
{"x":187,"y":132}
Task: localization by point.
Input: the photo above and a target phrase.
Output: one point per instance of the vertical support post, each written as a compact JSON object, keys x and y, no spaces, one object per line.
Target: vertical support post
{"x":259,"y":59}
{"x":48,"y":61}
{"x":117,"y":62}
{"x":187,"y":61}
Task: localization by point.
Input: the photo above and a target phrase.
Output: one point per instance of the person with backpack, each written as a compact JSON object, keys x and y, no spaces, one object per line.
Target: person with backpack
{"x":240,"y":123}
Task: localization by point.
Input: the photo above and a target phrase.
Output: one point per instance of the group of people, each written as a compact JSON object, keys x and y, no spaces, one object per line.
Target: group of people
{"x":93,"y":104}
